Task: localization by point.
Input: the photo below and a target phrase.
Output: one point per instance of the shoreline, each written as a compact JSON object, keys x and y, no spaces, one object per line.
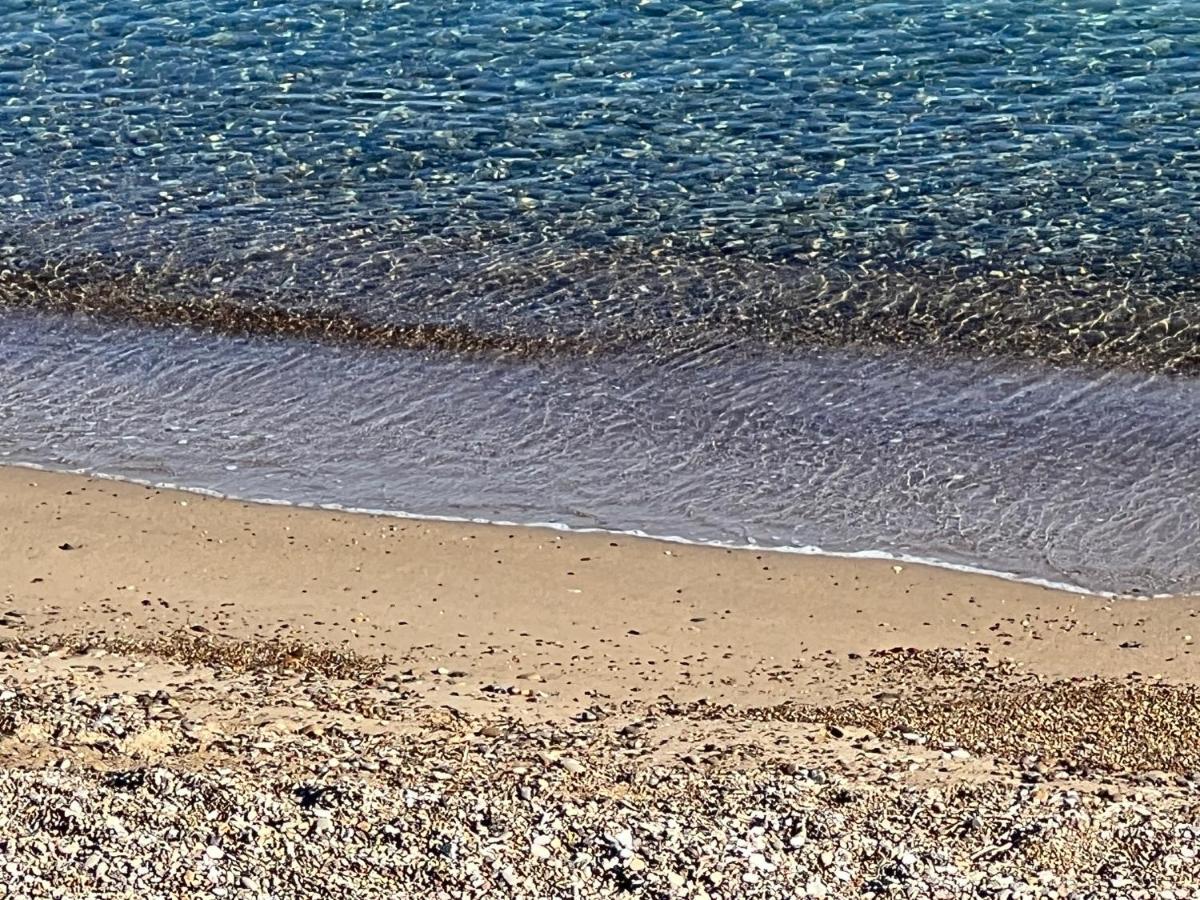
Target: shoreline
{"x":429,"y":706}
{"x":811,"y":550}
{"x":1086,"y":514}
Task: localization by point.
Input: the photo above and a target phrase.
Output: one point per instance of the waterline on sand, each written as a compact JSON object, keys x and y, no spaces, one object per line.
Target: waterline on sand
{"x":904,"y":558}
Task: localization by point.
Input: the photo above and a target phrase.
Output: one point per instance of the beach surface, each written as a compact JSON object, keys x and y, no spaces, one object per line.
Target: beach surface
{"x":205,"y":695}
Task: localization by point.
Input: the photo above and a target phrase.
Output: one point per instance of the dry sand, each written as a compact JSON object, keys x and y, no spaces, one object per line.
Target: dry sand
{"x":645,"y":660}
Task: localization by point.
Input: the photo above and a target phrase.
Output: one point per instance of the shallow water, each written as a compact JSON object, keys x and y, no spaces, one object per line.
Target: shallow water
{"x":918,"y":277}
{"x":1079,"y":477}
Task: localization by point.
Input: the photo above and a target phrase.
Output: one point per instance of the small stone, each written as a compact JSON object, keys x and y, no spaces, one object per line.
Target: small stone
{"x":758,"y":861}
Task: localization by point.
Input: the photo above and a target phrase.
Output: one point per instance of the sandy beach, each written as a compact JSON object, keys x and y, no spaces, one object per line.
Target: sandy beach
{"x":204,"y":697}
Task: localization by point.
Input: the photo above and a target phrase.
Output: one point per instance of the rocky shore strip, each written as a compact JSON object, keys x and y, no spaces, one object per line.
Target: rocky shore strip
{"x":192,"y":766}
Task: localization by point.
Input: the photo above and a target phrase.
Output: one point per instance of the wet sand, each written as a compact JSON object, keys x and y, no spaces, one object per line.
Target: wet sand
{"x":582,"y":615}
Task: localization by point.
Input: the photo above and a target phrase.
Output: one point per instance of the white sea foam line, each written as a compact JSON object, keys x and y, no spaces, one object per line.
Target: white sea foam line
{"x":633,"y":532}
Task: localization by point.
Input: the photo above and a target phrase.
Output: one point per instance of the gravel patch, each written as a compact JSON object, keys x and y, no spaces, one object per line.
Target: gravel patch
{"x":225,"y":786}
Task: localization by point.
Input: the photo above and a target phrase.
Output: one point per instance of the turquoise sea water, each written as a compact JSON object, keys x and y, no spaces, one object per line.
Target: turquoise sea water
{"x":918,"y":277}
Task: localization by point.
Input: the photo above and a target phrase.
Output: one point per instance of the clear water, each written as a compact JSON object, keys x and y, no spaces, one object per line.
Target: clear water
{"x":911,"y":276}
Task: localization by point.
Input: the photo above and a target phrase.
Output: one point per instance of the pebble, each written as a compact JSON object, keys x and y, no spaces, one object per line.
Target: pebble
{"x":326,"y":804}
